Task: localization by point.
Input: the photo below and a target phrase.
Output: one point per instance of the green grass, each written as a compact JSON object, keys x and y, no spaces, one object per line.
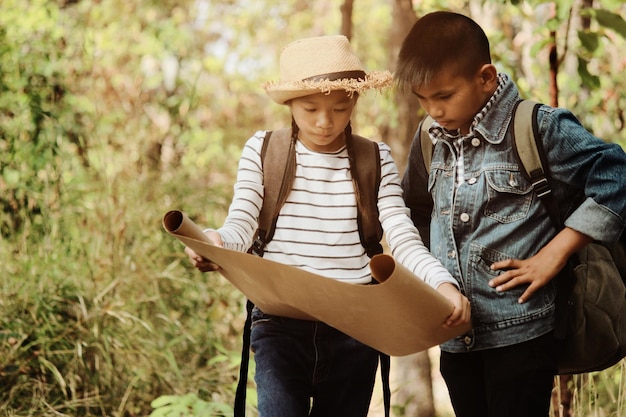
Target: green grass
{"x":102,"y":313}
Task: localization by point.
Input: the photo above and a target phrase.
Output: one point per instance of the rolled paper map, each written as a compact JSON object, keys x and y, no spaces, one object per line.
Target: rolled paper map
{"x":177,"y":222}
{"x":399,"y":316}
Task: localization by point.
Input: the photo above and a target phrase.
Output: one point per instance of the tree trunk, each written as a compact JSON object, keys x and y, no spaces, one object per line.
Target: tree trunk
{"x":346,"y":18}
{"x":412,"y":378}
{"x":409,"y":111}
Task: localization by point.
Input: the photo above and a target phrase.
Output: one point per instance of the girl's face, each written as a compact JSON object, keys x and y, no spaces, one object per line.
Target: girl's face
{"x":453,"y":100}
{"x":322,"y":119}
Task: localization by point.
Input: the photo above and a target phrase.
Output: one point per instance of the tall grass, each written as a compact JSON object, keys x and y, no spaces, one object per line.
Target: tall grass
{"x":601,"y":394}
{"x":103,"y":313}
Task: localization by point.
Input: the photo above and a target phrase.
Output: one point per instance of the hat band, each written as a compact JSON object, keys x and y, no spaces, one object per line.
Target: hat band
{"x":333,"y":76}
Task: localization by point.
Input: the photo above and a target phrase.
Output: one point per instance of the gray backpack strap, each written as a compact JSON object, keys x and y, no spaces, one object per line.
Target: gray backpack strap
{"x":531,"y":155}
{"x":527,"y":146}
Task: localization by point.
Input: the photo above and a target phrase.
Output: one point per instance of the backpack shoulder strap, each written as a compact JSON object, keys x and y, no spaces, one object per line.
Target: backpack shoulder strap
{"x":279,"y":148}
{"x":527,"y":146}
{"x":529,"y":150}
{"x":365,"y":167}
{"x":425,"y":141}
{"x":242,"y":383}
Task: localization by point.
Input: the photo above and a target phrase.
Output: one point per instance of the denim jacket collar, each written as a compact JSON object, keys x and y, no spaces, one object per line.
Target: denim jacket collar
{"x":492,"y":122}
{"x":495,"y":122}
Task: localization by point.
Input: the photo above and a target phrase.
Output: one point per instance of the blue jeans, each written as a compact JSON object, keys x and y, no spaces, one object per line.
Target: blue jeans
{"x":512,"y":381}
{"x":307,"y":368}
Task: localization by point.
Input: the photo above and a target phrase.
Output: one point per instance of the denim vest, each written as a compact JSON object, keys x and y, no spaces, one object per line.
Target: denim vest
{"x":495,"y":215}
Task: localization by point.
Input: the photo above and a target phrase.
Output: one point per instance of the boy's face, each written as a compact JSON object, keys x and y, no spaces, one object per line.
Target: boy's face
{"x":453,"y":100}
{"x":322,"y":119}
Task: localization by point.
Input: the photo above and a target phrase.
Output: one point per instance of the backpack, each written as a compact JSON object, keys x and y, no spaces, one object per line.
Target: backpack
{"x":591,"y":291}
{"x":278,"y":159}
{"x":279,"y":175}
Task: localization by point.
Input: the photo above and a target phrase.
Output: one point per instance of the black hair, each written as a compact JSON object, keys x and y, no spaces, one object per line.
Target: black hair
{"x":441,"y":40}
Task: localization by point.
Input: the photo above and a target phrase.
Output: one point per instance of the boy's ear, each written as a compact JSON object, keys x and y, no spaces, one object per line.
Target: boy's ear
{"x":489,"y":76}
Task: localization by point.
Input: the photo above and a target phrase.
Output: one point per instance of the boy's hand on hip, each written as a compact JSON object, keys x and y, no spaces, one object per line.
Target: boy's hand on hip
{"x":539,"y":269}
{"x":534,"y":272}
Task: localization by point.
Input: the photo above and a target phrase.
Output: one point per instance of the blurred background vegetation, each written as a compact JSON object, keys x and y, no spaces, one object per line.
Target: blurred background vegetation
{"x":113,"y":112}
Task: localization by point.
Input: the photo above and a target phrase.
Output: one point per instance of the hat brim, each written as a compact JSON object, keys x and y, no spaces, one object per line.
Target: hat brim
{"x":282,"y":93}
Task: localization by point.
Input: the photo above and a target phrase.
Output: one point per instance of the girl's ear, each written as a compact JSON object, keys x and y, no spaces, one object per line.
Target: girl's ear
{"x":489,"y":77}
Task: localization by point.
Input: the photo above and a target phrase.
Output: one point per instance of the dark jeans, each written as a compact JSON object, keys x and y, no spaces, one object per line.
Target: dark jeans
{"x":513,"y":381}
{"x":307,"y":368}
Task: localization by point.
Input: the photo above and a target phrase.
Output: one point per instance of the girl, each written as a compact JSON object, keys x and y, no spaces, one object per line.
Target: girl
{"x":305,"y":367}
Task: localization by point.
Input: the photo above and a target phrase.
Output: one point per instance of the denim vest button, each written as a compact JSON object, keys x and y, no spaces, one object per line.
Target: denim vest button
{"x":472,"y":181}
{"x":475,"y":142}
{"x":467,"y":340}
{"x":465,"y":217}
{"x":452,"y":254}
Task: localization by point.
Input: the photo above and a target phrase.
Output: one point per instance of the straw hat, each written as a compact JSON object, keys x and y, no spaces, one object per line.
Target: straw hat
{"x":320,"y":65}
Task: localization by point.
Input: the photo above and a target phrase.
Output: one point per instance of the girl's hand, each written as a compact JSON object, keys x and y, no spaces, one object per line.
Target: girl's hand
{"x":200,"y":262}
{"x":462,"y":311}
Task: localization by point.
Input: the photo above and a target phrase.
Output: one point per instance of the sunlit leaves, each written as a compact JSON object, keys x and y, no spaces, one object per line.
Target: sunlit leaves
{"x":611,"y":21}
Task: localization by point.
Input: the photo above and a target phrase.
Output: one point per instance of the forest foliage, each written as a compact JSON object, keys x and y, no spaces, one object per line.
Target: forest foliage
{"x":113,"y":112}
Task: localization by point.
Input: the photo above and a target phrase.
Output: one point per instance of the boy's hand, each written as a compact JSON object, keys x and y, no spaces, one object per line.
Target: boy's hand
{"x":462,"y":311}
{"x":538,"y":270}
{"x":535,"y":272}
{"x":200,"y":262}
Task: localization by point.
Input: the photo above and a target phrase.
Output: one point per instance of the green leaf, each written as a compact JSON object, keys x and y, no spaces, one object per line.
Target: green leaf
{"x":612,"y":21}
{"x":161,"y":412}
{"x":163,"y":400}
{"x":563,"y":8}
{"x":589,"y":80}
{"x":589,"y":40}
{"x":553,"y":24}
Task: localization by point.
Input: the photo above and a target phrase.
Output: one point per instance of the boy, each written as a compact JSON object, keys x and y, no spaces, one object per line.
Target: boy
{"x":486,"y":224}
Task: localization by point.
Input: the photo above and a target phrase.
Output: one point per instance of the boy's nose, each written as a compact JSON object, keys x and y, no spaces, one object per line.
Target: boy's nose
{"x":435,"y":111}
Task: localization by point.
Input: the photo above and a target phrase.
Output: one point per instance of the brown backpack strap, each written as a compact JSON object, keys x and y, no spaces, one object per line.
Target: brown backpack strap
{"x":279,"y":147}
{"x":365,"y":167}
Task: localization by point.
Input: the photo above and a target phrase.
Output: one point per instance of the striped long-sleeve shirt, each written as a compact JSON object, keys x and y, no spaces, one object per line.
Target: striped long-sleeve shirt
{"x":317,"y":227}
